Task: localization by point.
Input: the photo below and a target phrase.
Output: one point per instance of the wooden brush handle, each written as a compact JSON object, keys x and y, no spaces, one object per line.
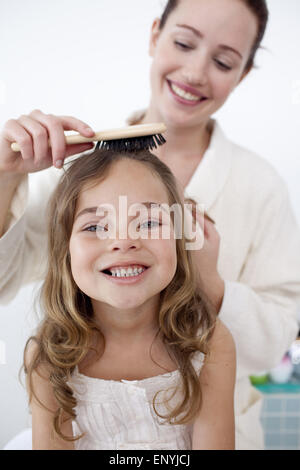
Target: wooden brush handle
{"x":111,"y":134}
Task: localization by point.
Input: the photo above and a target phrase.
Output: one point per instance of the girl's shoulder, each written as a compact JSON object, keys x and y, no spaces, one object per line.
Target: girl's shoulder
{"x":222,"y":350}
{"x":222,"y":338}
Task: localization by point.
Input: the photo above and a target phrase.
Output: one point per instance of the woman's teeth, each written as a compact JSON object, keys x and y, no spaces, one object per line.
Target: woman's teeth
{"x":127,"y":272}
{"x":184,"y":94}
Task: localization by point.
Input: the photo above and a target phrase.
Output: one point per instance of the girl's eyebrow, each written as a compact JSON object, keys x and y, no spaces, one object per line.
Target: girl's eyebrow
{"x":87,"y":210}
{"x":93,"y":210}
{"x":200,"y":35}
{"x":150,"y":205}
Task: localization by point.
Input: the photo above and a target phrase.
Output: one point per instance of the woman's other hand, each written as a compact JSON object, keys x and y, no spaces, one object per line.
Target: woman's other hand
{"x":207,"y":256}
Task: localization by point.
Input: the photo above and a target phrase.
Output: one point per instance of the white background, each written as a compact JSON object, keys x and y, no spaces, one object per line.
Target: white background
{"x":89,"y":59}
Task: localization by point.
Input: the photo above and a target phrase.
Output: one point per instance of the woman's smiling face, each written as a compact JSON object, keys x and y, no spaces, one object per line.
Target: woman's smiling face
{"x":94,"y":258}
{"x":199,"y":58}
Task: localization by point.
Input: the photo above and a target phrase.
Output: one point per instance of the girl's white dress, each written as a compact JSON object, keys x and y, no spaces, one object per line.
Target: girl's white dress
{"x":119,"y":414}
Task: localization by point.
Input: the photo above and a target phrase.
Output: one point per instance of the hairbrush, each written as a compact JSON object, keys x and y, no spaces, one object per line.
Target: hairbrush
{"x":132,"y":138}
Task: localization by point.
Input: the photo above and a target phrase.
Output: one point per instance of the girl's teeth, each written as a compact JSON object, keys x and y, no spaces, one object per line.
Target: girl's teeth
{"x":129,"y":272}
{"x":184,"y":94}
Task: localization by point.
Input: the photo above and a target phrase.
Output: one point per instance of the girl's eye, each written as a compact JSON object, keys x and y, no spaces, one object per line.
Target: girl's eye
{"x":181,"y":45}
{"x":94,"y":228}
{"x":222,"y":65}
{"x":153,"y":223}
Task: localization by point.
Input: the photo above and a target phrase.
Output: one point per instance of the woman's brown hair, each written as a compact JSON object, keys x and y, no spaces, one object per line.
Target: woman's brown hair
{"x":257,"y":7}
{"x":186,"y":318}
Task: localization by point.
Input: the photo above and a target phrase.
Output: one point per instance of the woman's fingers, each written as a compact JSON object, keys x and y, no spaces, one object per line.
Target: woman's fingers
{"x":39,"y":149}
{"x":55,"y":131}
{"x":198,"y":214}
{"x":70,"y":123}
{"x":32,"y":133}
{"x":56,"y":125}
{"x":74,"y":149}
{"x":211,"y":234}
{"x":14,"y":131}
{"x":206,"y":223}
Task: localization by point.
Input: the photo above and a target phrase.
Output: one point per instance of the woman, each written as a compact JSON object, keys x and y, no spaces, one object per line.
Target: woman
{"x":250,"y":264}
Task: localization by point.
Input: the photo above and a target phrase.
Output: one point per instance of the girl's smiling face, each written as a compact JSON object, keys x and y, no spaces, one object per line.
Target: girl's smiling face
{"x":199,"y":58}
{"x":91,"y":253}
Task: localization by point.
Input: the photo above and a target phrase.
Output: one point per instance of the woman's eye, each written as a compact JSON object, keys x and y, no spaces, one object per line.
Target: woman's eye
{"x":222,"y":65}
{"x":181,"y":45}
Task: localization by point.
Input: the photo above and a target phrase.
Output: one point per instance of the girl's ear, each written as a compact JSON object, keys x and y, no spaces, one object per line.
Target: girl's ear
{"x":155,"y":32}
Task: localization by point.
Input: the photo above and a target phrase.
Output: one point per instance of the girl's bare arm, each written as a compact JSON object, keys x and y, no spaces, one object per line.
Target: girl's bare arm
{"x":43,"y":437}
{"x":214,"y":428}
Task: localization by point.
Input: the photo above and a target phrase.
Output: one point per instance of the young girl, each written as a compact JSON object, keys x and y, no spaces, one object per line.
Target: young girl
{"x":126,"y":329}
{"x":250,"y":263}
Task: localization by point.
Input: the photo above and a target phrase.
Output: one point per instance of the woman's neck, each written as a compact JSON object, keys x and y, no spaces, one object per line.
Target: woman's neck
{"x":183,"y":143}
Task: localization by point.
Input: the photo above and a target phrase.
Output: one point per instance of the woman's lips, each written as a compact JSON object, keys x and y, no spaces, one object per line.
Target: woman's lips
{"x":184,"y":94}
{"x":187,"y":88}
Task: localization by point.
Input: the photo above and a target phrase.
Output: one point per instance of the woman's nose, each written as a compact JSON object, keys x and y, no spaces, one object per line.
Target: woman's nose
{"x":196,"y":72}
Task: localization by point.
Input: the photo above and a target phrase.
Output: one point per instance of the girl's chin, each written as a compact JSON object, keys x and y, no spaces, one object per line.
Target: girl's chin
{"x":124,"y":303}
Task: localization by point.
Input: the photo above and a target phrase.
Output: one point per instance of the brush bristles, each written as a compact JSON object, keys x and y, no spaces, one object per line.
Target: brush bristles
{"x":132,"y":144}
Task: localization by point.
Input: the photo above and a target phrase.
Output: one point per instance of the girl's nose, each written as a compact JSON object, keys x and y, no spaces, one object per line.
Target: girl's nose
{"x":124,"y":245}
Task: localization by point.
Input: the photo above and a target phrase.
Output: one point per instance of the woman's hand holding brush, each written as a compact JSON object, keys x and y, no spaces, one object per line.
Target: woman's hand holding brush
{"x":32,"y":133}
